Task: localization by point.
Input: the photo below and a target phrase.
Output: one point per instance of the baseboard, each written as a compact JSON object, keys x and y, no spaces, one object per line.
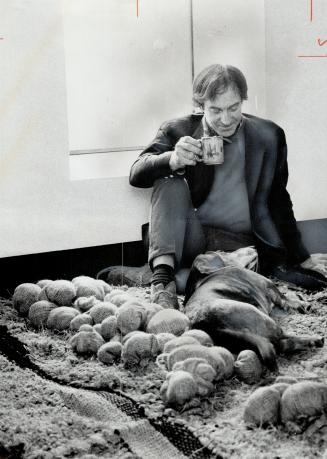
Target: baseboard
{"x":314,"y":235}
{"x":66,"y":264}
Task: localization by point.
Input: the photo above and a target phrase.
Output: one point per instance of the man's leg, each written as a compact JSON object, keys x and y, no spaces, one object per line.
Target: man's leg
{"x":175,"y":235}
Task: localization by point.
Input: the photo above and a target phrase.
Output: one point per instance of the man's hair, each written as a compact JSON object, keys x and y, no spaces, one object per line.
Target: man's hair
{"x":215,"y":80}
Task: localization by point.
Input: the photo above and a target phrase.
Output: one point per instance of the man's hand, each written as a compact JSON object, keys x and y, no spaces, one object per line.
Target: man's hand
{"x":316,"y":262}
{"x":187,"y":152}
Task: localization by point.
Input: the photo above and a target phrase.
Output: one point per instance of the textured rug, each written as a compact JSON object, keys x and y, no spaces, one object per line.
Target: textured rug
{"x":54,"y":404}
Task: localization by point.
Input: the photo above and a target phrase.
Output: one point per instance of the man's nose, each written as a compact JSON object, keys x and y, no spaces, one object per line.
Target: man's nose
{"x":225,"y":118}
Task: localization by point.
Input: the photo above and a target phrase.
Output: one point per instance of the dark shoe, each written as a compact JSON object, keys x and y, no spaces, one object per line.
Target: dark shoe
{"x":126,"y":275}
{"x":305,"y":278}
{"x":165,"y":296}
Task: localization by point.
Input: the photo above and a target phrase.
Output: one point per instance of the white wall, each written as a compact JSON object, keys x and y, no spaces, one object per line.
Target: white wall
{"x":297,"y":97}
{"x":150,"y":57}
{"x":125,"y":74}
{"x":41,"y":208}
{"x":233,"y":32}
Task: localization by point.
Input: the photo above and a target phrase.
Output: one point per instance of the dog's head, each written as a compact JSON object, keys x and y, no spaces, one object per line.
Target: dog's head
{"x":203,"y":265}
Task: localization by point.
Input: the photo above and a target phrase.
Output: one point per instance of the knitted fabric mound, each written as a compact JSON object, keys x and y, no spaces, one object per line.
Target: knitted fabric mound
{"x":61,"y":292}
{"x":303,"y":400}
{"x":248,"y":367}
{"x":87,"y":286}
{"x":24,"y":296}
{"x":101,"y":311}
{"x":79,"y":320}
{"x":262,"y":407}
{"x":168,"y":321}
{"x":139,"y":349}
{"x":60,"y":318}
{"x":109,"y":352}
{"x":39,"y":312}
{"x":86,"y":342}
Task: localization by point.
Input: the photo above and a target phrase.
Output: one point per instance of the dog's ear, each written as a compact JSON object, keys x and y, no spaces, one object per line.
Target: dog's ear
{"x":203,"y":265}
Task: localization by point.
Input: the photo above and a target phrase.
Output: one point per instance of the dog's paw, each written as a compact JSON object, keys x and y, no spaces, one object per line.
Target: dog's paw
{"x":291,"y":344}
{"x":317,"y":341}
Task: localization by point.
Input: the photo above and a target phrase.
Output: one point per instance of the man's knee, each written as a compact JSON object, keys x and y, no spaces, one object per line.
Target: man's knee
{"x":172,"y":186}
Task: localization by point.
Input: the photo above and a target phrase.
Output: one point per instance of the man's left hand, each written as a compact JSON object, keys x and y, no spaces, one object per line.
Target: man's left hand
{"x":316,"y":262}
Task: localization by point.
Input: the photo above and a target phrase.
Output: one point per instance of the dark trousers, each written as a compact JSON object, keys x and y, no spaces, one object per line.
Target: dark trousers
{"x":175,"y":228}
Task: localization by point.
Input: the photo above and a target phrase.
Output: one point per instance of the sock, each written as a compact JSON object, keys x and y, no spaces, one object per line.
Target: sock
{"x":162,"y":274}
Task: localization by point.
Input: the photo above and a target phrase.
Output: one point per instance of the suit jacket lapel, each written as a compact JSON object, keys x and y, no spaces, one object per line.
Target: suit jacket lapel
{"x":254,"y":153}
{"x":198,"y":132}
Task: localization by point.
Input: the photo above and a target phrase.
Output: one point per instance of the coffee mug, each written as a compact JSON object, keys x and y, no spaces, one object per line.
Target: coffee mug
{"x":213,"y":150}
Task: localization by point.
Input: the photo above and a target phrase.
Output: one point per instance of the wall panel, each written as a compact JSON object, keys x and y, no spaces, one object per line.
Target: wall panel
{"x":233,"y":32}
{"x":125,"y":74}
{"x":297,"y":97}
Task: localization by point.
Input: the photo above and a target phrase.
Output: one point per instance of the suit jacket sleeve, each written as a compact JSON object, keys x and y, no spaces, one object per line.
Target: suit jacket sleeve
{"x":281,"y":208}
{"x":153,"y":162}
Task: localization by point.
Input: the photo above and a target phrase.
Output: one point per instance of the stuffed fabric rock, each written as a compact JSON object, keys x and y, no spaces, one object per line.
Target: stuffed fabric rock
{"x":108,"y":353}
{"x":79,"y":320}
{"x":168,"y":321}
{"x":109,"y":327}
{"x":43,"y":282}
{"x":120,"y":299}
{"x":87,"y":286}
{"x":228,"y":359}
{"x":85,"y":303}
{"x":194,"y":350}
{"x":24,"y":296}
{"x":60,"y":318}
{"x":262,"y":407}
{"x":163,"y":338}
{"x":201,"y":336}
{"x":139,"y":349}
{"x":179,"y":341}
{"x":101,"y":311}
{"x":130,"y":334}
{"x":178,"y":389}
{"x":203,"y":374}
{"x":61,"y":292}
{"x":106,"y":287}
{"x":97,"y":328}
{"x":248,"y":367}
{"x":39,"y":312}
{"x":86,"y":342}
{"x":131,"y":316}
{"x":303,"y":400}
{"x":112,"y":293}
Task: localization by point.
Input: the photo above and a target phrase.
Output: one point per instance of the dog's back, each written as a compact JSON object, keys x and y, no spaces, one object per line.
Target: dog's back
{"x":233,"y":305}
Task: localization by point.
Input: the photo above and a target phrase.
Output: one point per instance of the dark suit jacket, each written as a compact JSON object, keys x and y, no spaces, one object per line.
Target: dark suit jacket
{"x":274,"y":227}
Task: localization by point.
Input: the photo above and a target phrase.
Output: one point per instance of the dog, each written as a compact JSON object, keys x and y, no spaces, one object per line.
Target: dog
{"x":234,"y":306}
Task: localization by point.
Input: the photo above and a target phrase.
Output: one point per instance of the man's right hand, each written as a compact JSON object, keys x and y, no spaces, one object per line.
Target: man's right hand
{"x":188,"y":152}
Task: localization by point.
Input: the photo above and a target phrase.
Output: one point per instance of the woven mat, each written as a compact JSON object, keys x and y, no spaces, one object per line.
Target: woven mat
{"x":143,"y":439}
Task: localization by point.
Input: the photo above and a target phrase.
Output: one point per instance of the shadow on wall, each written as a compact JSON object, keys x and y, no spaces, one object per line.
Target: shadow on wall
{"x":314,"y":235}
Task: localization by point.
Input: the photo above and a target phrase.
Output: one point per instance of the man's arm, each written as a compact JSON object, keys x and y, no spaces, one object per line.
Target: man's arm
{"x":169,"y":153}
{"x":153,"y":162}
{"x":281,"y":208}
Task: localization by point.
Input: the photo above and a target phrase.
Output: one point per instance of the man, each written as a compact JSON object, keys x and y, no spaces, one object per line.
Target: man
{"x":241,"y":202}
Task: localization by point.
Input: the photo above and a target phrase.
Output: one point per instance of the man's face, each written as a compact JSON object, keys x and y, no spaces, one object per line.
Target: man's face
{"x":224,"y":112}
